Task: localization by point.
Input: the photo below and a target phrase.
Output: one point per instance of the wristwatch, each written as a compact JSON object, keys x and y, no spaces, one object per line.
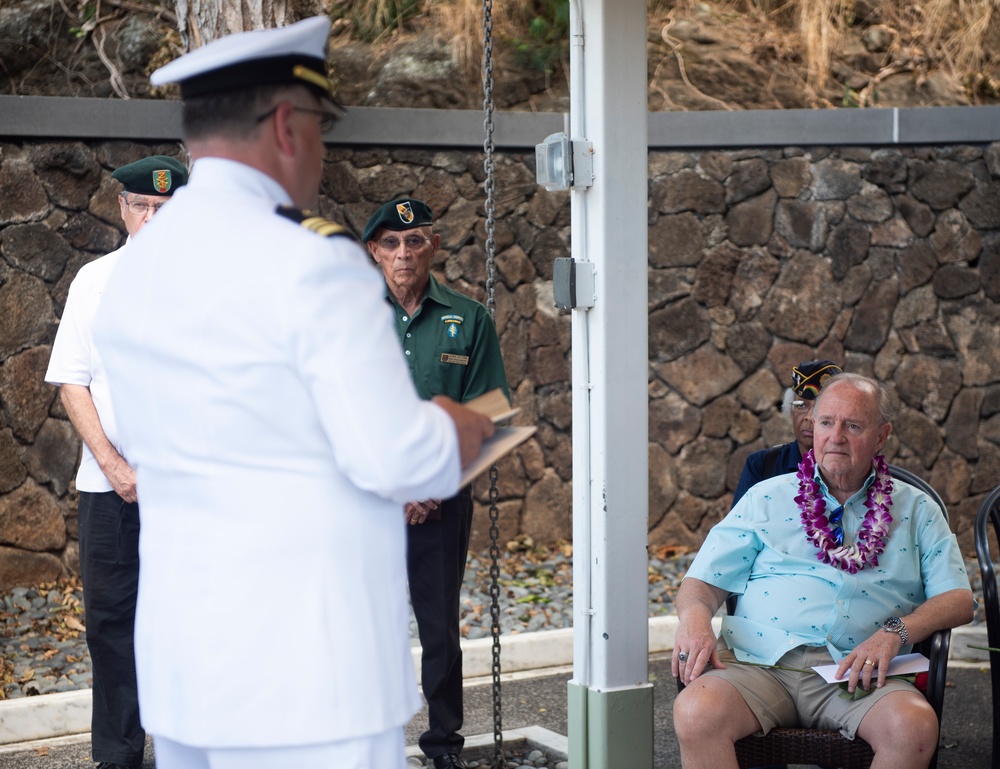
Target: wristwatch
{"x":895,"y":625}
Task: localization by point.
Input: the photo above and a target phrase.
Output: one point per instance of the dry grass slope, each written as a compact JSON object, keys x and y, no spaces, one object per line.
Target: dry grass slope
{"x":821,"y":41}
{"x":703,"y":54}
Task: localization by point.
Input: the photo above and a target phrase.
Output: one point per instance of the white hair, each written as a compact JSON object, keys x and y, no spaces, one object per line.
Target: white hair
{"x":883,"y":406}
{"x":786,"y":404}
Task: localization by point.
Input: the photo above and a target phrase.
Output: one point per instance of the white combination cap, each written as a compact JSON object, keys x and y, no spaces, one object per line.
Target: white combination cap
{"x":292,"y":54}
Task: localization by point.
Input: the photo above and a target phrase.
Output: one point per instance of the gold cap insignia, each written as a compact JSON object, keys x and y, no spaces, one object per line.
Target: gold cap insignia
{"x":162,"y":181}
{"x":405,"y":212}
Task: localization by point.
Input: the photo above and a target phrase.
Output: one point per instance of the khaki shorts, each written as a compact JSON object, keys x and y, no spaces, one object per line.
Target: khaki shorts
{"x":782,"y":698}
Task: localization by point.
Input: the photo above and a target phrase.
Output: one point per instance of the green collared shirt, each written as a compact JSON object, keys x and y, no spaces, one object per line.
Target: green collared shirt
{"x":450,"y":345}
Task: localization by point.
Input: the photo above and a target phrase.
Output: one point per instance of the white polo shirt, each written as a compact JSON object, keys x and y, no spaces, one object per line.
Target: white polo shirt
{"x":74,"y":359}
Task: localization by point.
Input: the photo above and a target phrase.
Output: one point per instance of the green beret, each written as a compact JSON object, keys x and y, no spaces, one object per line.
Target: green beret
{"x":155,"y":175}
{"x":400,"y":214}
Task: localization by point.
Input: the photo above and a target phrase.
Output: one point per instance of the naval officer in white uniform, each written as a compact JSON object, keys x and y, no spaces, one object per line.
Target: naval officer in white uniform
{"x":265,"y":403}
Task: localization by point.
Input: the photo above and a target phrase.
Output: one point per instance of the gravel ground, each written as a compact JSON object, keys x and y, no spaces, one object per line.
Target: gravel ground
{"x":529,"y":758}
{"x":43,"y":639}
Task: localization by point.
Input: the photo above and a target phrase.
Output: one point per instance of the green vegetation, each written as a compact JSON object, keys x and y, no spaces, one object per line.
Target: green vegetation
{"x":375,"y":19}
{"x":547,"y":39}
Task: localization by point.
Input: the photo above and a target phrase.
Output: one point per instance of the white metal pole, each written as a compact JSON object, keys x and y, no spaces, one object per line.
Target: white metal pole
{"x":582,"y":609}
{"x":610,"y":698}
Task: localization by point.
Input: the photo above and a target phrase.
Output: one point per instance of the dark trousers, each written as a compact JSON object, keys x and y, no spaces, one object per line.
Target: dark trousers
{"x":435,"y":565}
{"x":109,"y":565}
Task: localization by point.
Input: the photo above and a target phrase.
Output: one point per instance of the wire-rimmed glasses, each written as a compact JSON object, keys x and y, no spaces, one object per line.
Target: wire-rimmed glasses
{"x":391,"y":242}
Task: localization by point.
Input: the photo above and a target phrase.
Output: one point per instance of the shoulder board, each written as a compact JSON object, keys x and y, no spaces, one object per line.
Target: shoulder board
{"x":311,"y":221}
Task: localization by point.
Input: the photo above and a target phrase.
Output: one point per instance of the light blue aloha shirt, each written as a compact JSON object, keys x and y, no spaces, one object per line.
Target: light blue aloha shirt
{"x":789,"y":598}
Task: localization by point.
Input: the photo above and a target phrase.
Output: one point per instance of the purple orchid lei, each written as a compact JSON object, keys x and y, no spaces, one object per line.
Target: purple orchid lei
{"x":874,"y":528}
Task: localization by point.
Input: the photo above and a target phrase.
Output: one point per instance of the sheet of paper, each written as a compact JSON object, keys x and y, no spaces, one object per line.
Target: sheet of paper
{"x":493,"y":405}
{"x":903,"y":665}
{"x":504,"y":441}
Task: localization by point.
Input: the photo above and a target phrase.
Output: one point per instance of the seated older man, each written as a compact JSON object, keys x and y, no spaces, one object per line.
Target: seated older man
{"x":836,"y":563}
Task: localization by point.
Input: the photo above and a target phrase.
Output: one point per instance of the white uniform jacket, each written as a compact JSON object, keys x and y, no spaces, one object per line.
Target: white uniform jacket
{"x":261,"y":393}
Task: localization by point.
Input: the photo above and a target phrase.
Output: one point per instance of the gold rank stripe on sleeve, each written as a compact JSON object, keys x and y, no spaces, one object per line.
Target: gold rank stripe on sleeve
{"x":311,"y":221}
{"x":324,"y":227}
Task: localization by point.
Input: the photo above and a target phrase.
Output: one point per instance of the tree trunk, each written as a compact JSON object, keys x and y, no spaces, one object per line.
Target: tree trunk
{"x":202,"y":21}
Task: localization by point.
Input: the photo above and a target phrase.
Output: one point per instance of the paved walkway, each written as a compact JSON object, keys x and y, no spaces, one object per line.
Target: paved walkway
{"x":540,"y":700}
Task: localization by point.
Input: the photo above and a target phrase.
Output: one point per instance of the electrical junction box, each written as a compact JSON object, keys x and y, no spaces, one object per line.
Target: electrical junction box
{"x":561,"y":163}
{"x":554,"y":163}
{"x":572,"y":284}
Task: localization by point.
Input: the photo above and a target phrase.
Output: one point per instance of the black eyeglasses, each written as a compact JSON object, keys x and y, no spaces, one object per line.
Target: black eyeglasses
{"x":412,"y":242}
{"x":326,"y":118}
{"x":836,"y":518}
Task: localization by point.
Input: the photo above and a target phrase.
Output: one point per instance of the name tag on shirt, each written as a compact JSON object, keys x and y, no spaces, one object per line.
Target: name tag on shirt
{"x":461,"y":360}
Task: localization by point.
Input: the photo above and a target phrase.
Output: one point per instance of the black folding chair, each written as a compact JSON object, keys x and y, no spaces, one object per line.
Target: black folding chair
{"x":989,"y":513}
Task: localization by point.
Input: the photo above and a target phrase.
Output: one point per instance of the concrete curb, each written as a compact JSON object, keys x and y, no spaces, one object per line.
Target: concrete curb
{"x":542,"y":649}
{"x":56,"y":715}
{"x":44,"y":716}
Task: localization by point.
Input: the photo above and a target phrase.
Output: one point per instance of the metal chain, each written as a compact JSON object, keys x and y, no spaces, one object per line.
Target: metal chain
{"x":498,"y":759}
{"x":489,"y":163}
{"x":489,"y":166}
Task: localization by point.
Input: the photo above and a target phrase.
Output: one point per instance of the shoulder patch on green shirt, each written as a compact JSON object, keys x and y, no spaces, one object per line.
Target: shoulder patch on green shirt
{"x":453,"y":322}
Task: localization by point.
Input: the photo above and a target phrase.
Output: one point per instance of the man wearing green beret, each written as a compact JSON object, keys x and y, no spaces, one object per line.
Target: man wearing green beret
{"x":451,"y":346}
{"x":108,"y":506}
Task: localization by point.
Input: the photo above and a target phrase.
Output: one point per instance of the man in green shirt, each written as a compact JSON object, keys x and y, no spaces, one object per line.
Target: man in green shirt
{"x":451,"y":345}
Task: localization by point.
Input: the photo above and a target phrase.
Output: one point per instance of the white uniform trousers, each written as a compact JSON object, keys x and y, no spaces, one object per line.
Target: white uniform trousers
{"x":386,"y":750}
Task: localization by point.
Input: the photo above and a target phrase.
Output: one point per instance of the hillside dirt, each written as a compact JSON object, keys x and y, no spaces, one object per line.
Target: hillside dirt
{"x":701,"y":56}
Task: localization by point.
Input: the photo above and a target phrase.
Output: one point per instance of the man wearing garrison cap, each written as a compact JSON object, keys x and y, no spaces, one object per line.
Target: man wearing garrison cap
{"x":275,"y":431}
{"x":108,"y":507}
{"x":451,"y":347}
{"x":808,"y":379}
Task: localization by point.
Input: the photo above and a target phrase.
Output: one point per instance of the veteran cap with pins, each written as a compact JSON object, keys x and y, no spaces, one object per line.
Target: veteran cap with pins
{"x":809,"y":377}
{"x":155,"y":175}
{"x":292,"y":54}
{"x":398,"y":215}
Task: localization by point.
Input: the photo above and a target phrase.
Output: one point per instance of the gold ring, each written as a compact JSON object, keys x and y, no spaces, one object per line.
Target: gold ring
{"x":869,"y":662}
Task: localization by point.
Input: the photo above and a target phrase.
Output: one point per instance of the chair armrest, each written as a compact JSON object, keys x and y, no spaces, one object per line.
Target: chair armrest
{"x":936,"y":649}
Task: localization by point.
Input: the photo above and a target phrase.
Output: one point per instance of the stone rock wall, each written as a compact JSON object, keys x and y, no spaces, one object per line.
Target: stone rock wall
{"x":885,"y":260}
